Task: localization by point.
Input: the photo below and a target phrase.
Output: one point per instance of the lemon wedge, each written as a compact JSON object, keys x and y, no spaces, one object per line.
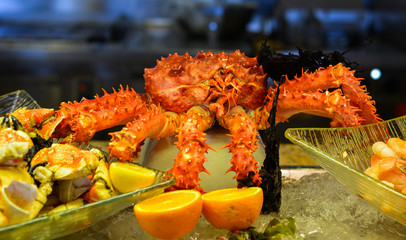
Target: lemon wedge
{"x":127,"y":177}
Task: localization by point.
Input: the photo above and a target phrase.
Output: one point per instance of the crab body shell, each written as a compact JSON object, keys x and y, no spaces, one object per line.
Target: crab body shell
{"x":180,"y":82}
{"x":64,"y":161}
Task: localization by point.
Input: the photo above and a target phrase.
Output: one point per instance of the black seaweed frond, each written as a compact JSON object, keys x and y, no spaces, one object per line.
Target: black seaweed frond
{"x":277,"y":65}
{"x":270,"y":171}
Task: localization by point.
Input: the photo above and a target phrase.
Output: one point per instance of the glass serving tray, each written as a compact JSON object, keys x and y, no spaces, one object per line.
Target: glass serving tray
{"x":345,"y":153}
{"x":73,"y":220}
{"x":18,"y":99}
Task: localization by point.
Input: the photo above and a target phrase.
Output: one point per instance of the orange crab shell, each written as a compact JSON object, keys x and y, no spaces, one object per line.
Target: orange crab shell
{"x":32,"y":119}
{"x":14,"y":145}
{"x":179,"y":82}
{"x":70,"y":160}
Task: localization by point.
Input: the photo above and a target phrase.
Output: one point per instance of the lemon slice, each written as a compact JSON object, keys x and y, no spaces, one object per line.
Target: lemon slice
{"x":127,"y":177}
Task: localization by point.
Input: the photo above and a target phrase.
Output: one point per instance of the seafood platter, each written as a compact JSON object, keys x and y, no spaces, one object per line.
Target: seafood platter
{"x":74,"y":215}
{"x":190,"y":100}
{"x":347,"y":154}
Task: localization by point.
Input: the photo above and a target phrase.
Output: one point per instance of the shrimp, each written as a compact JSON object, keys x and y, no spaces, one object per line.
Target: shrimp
{"x":398,"y":146}
{"x":375,"y":159}
{"x":382,"y":150}
{"x":391,"y":170}
{"x":388,"y":164}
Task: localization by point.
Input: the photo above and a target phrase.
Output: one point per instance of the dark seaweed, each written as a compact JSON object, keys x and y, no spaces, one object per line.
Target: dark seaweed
{"x":270,"y":171}
{"x":278,"y":64}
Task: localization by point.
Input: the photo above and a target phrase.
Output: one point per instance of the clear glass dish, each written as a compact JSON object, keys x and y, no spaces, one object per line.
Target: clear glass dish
{"x":345,"y":153}
{"x":12,"y":101}
{"x":73,"y":220}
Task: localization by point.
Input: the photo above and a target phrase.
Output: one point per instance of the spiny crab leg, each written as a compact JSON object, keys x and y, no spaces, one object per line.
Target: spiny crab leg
{"x":342,"y":77}
{"x":154,"y":123}
{"x":326,"y":104}
{"x":85,"y":118}
{"x":337,"y":76}
{"x":192,"y":147}
{"x":79,"y":121}
{"x":348,"y":105}
{"x":244,"y":142}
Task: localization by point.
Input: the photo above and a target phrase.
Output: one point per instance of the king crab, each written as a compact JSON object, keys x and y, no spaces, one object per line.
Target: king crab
{"x":186,"y":95}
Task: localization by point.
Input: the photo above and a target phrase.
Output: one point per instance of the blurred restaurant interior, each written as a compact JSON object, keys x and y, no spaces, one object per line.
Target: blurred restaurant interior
{"x":63,"y":50}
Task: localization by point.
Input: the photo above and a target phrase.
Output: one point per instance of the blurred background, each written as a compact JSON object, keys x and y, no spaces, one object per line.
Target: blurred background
{"x":63,"y":50}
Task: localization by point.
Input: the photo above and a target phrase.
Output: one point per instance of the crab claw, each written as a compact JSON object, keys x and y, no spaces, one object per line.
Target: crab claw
{"x":33,"y":119}
{"x":49,"y":127}
{"x":16,"y":201}
{"x":102,"y":187}
{"x":44,"y":190}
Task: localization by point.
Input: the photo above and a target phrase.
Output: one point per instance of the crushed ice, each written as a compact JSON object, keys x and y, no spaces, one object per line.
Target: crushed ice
{"x":321,"y":206}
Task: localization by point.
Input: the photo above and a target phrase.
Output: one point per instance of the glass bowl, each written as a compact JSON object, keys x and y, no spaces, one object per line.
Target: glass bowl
{"x":18,"y":99}
{"x":73,"y":220}
{"x":345,"y":153}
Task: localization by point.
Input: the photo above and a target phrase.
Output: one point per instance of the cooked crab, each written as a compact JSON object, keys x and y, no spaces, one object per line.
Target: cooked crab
{"x":17,"y":189}
{"x":62,"y":162}
{"x":14,"y":146}
{"x":186,"y":95}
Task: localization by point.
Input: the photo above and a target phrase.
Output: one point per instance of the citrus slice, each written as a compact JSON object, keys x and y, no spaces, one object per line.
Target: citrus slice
{"x":127,"y":177}
{"x":170,"y":215}
{"x":232,"y":208}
